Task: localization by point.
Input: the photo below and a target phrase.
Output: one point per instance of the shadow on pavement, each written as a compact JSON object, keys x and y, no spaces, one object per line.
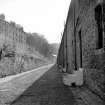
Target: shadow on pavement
{"x":48,"y":90}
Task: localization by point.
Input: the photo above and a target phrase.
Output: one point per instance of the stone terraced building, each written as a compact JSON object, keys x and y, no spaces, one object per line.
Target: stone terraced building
{"x":83,"y":43}
{"x":13,"y":35}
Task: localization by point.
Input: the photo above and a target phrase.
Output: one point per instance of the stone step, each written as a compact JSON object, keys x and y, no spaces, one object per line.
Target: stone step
{"x":84,"y":96}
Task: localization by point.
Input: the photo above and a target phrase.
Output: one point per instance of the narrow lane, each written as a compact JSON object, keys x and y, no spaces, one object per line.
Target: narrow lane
{"x":48,"y":90}
{"x":12,"y":87}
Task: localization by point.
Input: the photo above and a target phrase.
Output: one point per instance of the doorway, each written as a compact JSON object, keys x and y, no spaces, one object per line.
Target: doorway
{"x":80,"y":48}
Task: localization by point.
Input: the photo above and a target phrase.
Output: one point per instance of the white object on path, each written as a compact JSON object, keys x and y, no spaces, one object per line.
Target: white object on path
{"x":75,"y":78}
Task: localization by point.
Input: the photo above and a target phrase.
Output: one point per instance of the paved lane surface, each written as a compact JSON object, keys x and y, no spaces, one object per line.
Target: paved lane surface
{"x":48,"y":90}
{"x":12,"y":87}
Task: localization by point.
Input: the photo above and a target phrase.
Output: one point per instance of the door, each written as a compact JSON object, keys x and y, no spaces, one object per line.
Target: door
{"x":80,"y":48}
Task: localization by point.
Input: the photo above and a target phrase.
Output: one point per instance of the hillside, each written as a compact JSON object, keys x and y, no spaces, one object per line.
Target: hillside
{"x":54,"y":48}
{"x":41,"y":45}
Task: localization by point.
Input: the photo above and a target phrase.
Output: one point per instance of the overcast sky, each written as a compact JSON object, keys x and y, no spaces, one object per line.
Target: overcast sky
{"x":41,"y":16}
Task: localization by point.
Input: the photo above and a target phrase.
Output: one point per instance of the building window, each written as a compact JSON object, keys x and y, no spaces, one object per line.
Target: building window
{"x":72,"y":42}
{"x":98,"y":18}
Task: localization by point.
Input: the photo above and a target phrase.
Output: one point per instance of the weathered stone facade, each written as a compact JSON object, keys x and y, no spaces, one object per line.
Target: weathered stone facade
{"x":12,"y":35}
{"x":83,"y":43}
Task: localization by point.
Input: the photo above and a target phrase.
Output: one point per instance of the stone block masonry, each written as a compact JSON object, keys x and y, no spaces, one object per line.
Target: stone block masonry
{"x":85,"y":30}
